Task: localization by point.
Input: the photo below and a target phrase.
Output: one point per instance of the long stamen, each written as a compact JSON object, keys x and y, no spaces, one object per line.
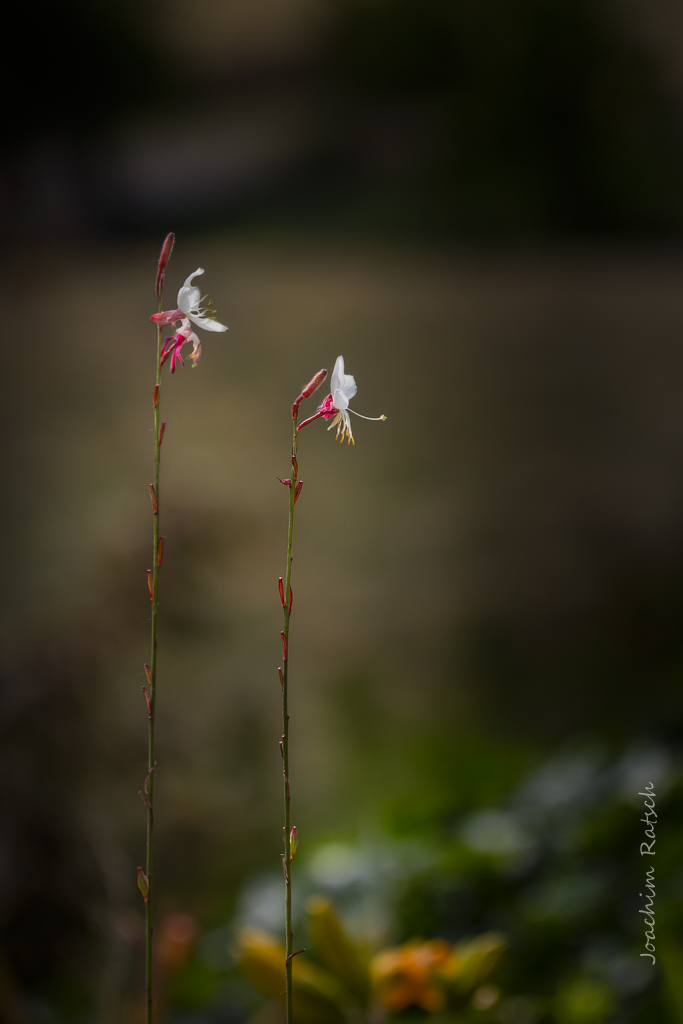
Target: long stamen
{"x":373,"y":418}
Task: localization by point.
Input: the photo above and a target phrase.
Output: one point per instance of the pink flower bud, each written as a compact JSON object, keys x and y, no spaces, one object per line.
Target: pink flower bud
{"x":147,"y":702}
{"x":295,"y":468}
{"x":148,"y":673}
{"x":284,"y":645}
{"x":314,"y":384}
{"x":166,"y":250}
{"x":281,"y":590}
{"x":286,"y":481}
{"x":161,"y":432}
{"x":153,"y":496}
{"x":160,"y":550}
{"x":150,"y":584}
{"x":297,"y":491}
{"x":293,"y":841}
{"x":156,"y":395}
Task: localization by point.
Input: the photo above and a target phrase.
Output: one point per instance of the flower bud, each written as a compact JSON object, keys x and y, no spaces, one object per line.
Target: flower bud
{"x":143,"y":885}
{"x":287,"y":482}
{"x":156,"y":395}
{"x":150,"y":584}
{"x":153,"y":496}
{"x":289,"y":605}
{"x":282,"y":678}
{"x":147,"y":702}
{"x":284,"y":645}
{"x":281,"y":590}
{"x":160,"y":550}
{"x":148,"y":673}
{"x":314,"y":384}
{"x":161,"y":432}
{"x":297,"y":491}
{"x":293,"y":841}
{"x":166,"y":250}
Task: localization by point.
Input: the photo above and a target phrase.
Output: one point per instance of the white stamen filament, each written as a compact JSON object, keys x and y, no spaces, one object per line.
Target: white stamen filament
{"x":373,"y":418}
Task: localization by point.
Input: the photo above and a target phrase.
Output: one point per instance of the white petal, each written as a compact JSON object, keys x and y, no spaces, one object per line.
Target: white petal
{"x":206,"y":323}
{"x":187,"y":332}
{"x":339,"y":400}
{"x":348,"y":387}
{"x":189,"y":295}
{"x":337,"y":374}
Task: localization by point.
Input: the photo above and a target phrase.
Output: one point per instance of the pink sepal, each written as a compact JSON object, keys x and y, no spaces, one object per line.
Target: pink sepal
{"x":168,"y":317}
{"x":327,"y":408}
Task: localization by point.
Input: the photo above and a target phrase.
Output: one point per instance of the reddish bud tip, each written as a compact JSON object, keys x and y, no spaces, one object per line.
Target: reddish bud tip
{"x":161,"y":432}
{"x":160,"y":550}
{"x":287,"y":482}
{"x":281,"y":590}
{"x":150,"y":584}
{"x":166,"y":250}
{"x":284,"y":645}
{"x":289,"y":604}
{"x":147,"y":701}
{"x":297,"y":491}
{"x":156,"y":395}
{"x":295,"y":468}
{"x":153,"y":496}
{"x":312,"y":386}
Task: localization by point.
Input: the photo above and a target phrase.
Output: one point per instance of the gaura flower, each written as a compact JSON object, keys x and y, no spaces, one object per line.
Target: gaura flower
{"x":189,"y":309}
{"x":342,"y":390}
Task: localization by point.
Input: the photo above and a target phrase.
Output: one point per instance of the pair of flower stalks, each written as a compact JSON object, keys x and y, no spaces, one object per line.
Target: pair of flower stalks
{"x":192,"y":309}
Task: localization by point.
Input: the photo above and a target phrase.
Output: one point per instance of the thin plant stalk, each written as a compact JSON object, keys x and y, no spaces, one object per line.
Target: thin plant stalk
{"x":290,"y":833}
{"x":145,"y":879}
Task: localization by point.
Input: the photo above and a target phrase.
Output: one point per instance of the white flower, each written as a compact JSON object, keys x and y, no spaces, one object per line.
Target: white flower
{"x":189,"y":298}
{"x":342,"y":390}
{"x":188,"y":309}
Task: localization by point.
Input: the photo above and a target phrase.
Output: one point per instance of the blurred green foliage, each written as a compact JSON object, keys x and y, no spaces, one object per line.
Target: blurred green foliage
{"x":553,"y":866}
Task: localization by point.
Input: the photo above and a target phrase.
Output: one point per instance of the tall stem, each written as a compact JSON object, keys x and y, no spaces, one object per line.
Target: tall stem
{"x":151,"y":762}
{"x":286,"y":602}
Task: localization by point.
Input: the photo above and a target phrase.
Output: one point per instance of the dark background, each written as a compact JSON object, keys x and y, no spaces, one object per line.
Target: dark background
{"x":481,"y":206}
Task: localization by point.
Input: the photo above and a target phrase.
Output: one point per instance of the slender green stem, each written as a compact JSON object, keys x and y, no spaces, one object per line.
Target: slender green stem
{"x":151,"y":762}
{"x":287,"y":857}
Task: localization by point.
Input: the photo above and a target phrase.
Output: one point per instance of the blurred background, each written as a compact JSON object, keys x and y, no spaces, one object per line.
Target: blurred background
{"x":480,"y":205}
